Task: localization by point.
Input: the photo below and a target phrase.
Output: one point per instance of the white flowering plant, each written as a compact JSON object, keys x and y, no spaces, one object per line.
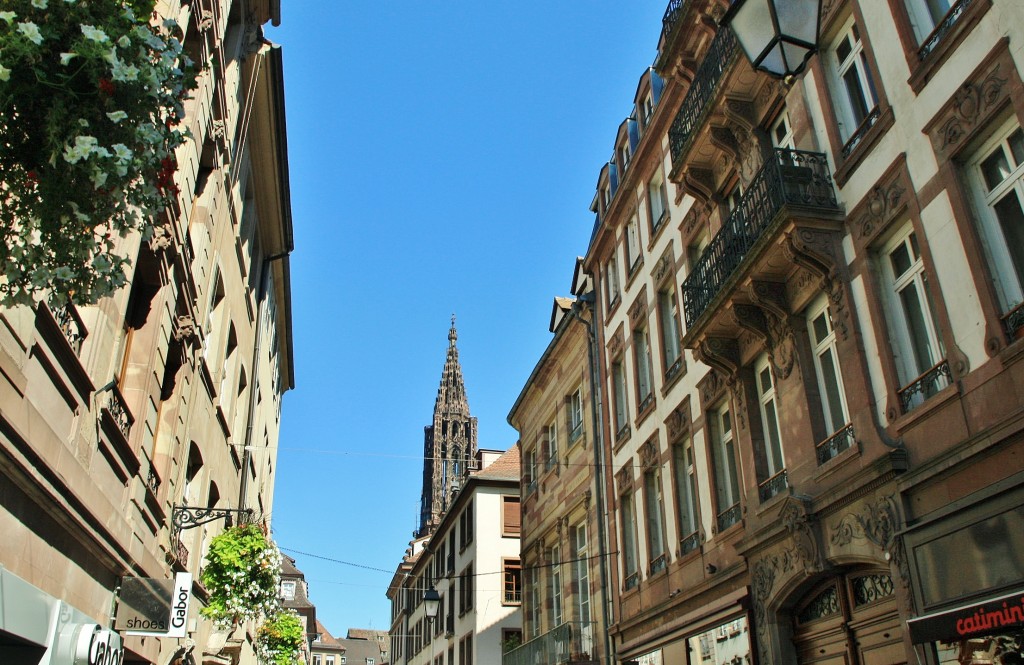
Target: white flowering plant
{"x":91,"y":99}
{"x":242,"y":572}
{"x":280,"y":638}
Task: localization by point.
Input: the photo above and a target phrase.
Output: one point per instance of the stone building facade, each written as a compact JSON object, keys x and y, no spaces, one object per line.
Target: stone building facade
{"x":563,"y":540}
{"x":117,"y":416}
{"x":809,"y":294}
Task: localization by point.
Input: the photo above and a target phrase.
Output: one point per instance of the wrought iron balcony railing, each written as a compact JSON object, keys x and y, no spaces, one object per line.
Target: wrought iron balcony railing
{"x":689,"y":543}
{"x":700,"y":97}
{"x":858,"y":134}
{"x":568,"y":643}
{"x":672,"y":13}
{"x":788,"y":177}
{"x":1013,"y":321}
{"x":729,"y":516}
{"x":924,"y":386}
{"x":942,"y":29}
{"x":117,"y":410}
{"x":835,"y":444}
{"x":773,"y":486}
{"x":71,"y":325}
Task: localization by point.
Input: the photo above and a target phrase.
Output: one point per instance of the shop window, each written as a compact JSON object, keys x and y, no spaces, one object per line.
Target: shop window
{"x":726,"y":643}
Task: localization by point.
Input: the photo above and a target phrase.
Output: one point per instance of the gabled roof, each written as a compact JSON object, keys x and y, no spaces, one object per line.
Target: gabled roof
{"x":505,"y":467}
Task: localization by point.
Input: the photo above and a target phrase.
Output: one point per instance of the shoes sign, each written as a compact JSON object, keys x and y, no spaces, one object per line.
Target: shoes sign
{"x":155,"y":607}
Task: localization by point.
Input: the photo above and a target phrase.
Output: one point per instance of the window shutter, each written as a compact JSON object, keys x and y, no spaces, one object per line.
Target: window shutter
{"x":512,"y":518}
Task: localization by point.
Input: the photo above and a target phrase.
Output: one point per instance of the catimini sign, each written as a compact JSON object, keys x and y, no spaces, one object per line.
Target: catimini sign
{"x":986,"y":618}
{"x":156,"y":607}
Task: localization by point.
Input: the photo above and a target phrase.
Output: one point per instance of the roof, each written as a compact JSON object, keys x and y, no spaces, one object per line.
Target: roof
{"x":505,"y":467}
{"x":358,"y":651}
{"x":326,"y":639}
{"x":367,"y":634}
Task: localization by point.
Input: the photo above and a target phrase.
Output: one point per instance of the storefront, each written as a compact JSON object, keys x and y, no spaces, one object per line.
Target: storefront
{"x":38,"y":629}
{"x":968,"y":576}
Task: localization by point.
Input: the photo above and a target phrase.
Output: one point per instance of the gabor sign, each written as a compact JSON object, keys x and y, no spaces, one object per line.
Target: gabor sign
{"x":156,"y":607}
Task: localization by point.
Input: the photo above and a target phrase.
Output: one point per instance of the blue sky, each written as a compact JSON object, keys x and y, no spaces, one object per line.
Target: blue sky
{"x":443,"y":156}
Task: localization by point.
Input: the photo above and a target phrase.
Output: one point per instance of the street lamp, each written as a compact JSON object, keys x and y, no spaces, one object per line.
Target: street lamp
{"x":431,"y":602}
{"x":778,"y":36}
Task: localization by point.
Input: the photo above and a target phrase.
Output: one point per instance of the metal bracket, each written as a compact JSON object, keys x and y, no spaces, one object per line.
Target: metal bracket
{"x":189,"y":517}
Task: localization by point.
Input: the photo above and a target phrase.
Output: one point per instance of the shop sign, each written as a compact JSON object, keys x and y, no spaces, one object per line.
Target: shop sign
{"x":155,"y":607}
{"x":97,"y":646}
{"x":992,"y":616}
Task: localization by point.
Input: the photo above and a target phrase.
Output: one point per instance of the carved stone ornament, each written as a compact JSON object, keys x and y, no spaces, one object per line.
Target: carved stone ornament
{"x":678,"y":422}
{"x":882,"y":203}
{"x":638,"y":309}
{"x":721,"y":353}
{"x":649,"y":457}
{"x":616,"y":343}
{"x":699,"y":183}
{"x":725,"y":140}
{"x":878,"y":523}
{"x":802,"y":529}
{"x":971,"y":105}
{"x":751,"y":319}
{"x":162,"y":238}
{"x":697,"y":216}
{"x":205,"y":20}
{"x":711,"y":387}
{"x":624,"y":477}
{"x":184,"y":328}
{"x":666,"y":264}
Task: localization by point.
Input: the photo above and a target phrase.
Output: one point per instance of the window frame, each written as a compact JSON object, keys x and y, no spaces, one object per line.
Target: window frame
{"x":620,"y":397}
{"x":671,"y":339}
{"x":827,"y":345}
{"x":630,"y":557}
{"x":1006,"y":276}
{"x":725,"y":467}
{"x":633,"y":245}
{"x":687,"y":504}
{"x":837,"y":68}
{"x":654,"y":498}
{"x":511,"y":581}
{"x":768,"y":408}
{"x":575,"y":413}
{"x":657,"y":191}
{"x":551,"y":444}
{"x":644,"y":368}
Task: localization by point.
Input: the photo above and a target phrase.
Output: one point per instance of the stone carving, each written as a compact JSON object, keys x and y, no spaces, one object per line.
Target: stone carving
{"x":184,"y":328}
{"x":205,"y":20}
{"x":797,"y":521}
{"x":162,"y":238}
{"x":624,"y":477}
{"x":711,"y":387}
{"x":649,"y":457}
{"x":881,"y":204}
{"x":699,"y":183}
{"x":678,"y":422}
{"x":665,"y":264}
{"x":616,"y":343}
{"x":639,"y":308}
{"x":970,"y":104}
{"x":878,"y":523}
{"x":696,"y":216}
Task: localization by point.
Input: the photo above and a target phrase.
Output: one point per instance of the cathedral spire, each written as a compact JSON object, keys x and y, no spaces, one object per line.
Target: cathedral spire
{"x":449,"y":444}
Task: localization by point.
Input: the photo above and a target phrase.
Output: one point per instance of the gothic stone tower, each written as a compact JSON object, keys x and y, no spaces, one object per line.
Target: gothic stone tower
{"x":449,"y":445}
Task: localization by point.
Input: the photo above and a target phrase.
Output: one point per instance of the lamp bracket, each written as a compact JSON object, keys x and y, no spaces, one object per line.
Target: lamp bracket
{"x":189,"y":517}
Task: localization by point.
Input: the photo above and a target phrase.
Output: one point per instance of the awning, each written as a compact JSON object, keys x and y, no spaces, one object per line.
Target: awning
{"x":984,"y":618}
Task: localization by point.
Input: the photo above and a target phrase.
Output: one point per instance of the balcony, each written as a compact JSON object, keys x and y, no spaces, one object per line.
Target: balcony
{"x":568,"y":643}
{"x":944,"y":27}
{"x":924,"y":386}
{"x":839,"y":442}
{"x":700,"y":97}
{"x":788,"y":180}
{"x":773,"y":486}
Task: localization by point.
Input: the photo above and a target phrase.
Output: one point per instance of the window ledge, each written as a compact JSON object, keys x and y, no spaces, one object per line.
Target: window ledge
{"x":925,"y":69}
{"x":908,"y":420}
{"x":885,"y":121}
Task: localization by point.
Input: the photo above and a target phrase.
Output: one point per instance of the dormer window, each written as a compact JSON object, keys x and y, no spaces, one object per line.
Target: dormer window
{"x":288,"y":589}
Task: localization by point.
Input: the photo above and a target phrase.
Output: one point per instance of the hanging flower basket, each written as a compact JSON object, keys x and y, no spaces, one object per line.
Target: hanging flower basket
{"x":280,"y":638}
{"x":242,"y":572}
{"x":91,"y":97}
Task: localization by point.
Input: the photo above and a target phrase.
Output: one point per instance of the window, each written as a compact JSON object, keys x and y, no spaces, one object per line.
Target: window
{"x":512,"y":576}
{"x":533,"y":605}
{"x":466,"y":589}
{"x":830,"y":379}
{"x":619,"y":391}
{"x":466,"y":650}
{"x":581,"y":567}
{"x":855,"y":89}
{"x":723,"y":455}
{"x":686,"y":495}
{"x":997,"y":177}
{"x":655,"y":527}
{"x":624,"y":157}
{"x":774,"y":480}
{"x":642,"y":360}
{"x":530,"y":470}
{"x":575,"y":415}
{"x":629,"y":563}
{"x":658,"y":200}
{"x":511,"y":518}
{"x":611,"y":282}
{"x":551,"y":447}
{"x":632,"y":244}
{"x":466,"y":526}
{"x":926,"y":14}
{"x":916,"y":344}
{"x":668,"y":316}
{"x":647,"y":109}
{"x":288,"y":589}
{"x":555,"y":566}
{"x":328,"y":660}
{"x":782,"y":132}
{"x":317,"y":660}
